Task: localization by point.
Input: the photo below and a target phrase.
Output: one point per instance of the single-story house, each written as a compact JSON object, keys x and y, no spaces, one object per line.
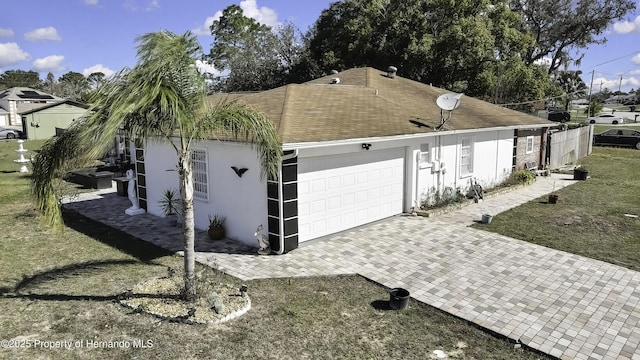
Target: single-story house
{"x":17,"y":100}
{"x":4,"y":117}
{"x":359,"y":146}
{"x":49,"y":120}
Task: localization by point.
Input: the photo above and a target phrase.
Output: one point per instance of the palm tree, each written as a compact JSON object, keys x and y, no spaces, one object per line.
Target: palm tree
{"x":163,"y":98}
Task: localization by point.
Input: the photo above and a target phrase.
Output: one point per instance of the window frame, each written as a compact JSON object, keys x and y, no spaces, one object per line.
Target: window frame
{"x":422,"y":162}
{"x":200,"y":171}
{"x":466,"y":170}
{"x":529,"y":147}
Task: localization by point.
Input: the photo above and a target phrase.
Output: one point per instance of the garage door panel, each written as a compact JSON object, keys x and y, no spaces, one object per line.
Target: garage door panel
{"x":349,"y":190}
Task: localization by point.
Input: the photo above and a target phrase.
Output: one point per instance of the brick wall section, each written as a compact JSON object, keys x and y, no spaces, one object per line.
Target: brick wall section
{"x":539,"y":147}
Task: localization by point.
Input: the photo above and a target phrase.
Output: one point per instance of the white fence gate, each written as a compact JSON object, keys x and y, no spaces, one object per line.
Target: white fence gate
{"x":567,"y":147}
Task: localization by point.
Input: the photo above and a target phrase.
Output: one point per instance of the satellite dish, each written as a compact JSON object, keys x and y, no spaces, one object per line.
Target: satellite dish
{"x":449,"y":101}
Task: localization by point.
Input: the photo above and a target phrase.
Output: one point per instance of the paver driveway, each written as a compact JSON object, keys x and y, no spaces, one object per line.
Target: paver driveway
{"x":562,"y":304}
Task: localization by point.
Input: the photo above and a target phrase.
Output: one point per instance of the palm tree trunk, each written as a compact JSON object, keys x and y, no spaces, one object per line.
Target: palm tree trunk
{"x":188,"y":233}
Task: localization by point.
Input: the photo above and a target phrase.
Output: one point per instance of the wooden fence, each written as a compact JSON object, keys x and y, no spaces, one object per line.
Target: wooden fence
{"x":567,"y":147}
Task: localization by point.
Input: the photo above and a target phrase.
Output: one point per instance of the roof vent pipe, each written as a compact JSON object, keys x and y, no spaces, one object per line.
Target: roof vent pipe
{"x":391,"y":71}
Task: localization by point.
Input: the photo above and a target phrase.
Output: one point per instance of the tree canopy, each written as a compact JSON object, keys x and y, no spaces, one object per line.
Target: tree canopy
{"x":562,"y":29}
{"x":252,"y":55}
{"x":20,"y":78}
{"x":432,"y":41}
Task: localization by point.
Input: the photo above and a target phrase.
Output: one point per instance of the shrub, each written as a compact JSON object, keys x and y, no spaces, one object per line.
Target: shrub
{"x":523,"y":177}
{"x":436,"y":198}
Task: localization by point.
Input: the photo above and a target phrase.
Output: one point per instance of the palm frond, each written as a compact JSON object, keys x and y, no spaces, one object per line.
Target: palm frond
{"x":232,"y":120}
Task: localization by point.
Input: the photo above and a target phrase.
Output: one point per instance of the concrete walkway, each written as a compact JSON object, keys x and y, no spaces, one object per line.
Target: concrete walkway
{"x":562,"y":304}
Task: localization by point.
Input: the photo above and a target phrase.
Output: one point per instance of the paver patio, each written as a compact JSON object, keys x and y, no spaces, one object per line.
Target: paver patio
{"x":562,"y":304}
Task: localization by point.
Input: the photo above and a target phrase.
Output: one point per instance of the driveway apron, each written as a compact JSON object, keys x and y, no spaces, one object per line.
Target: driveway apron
{"x":562,"y":304}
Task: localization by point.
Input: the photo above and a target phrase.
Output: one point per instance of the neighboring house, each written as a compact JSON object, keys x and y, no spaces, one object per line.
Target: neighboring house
{"x":20,"y":99}
{"x":359,"y":146}
{"x":4,"y":117}
{"x":49,"y":120}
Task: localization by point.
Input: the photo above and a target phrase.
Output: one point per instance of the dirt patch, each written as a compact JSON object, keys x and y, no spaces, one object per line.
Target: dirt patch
{"x":161,"y":297}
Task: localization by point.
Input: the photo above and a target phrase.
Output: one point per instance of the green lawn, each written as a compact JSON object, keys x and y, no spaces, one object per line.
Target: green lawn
{"x":63,"y":287}
{"x":589,"y":218}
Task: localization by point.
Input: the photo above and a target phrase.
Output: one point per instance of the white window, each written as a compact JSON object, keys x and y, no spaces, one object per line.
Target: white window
{"x":200,"y":174}
{"x":529,"y":148}
{"x":466,"y":157}
{"x":425,"y":158}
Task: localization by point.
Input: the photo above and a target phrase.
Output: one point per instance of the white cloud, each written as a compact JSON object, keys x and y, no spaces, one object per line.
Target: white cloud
{"x":48,"y":33}
{"x":98,"y":68}
{"x":263,"y":15}
{"x":636,"y":59}
{"x":52,"y":63}
{"x":634,"y":72}
{"x":91,"y":2}
{"x":205,"y":67}
{"x":11,"y":54}
{"x":625,"y":27}
{"x":600,"y":83}
{"x":631,"y":82}
{"x":6,"y":32}
{"x":132,"y":5}
{"x":153,"y":5}
{"x":250,"y":9}
{"x":545,"y":61}
{"x":204,"y":29}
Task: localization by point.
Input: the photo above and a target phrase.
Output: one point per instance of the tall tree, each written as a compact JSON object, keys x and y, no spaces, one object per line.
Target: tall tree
{"x":252,"y":55}
{"x":50,"y":84}
{"x":563,"y":28}
{"x":20,"y":78}
{"x":571,"y":83}
{"x":163,"y":97}
{"x":96,"y":79}
{"x":515,"y":85}
{"x":445,"y":43}
{"x":73,"y":86}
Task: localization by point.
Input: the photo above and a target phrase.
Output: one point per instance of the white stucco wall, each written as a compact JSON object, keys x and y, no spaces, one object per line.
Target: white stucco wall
{"x":492,"y":160}
{"x":243,"y":200}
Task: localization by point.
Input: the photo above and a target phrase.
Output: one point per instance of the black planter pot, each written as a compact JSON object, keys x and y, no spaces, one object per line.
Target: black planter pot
{"x":580,"y":174}
{"x":398,"y":299}
{"x":553,"y":199}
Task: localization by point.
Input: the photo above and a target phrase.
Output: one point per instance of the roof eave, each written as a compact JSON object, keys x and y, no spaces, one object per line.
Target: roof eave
{"x":318,"y":144}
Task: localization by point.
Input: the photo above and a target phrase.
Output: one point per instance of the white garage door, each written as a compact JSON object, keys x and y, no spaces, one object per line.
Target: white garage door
{"x":339,"y":192}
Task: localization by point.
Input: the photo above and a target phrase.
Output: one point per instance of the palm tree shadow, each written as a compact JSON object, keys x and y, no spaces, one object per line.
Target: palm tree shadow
{"x":124,"y":242}
{"x":27,"y":288}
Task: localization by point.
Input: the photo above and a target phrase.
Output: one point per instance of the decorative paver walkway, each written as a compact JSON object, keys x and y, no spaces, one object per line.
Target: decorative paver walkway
{"x":562,"y":304}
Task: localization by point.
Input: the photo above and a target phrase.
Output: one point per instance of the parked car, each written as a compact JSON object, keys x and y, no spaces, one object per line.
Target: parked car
{"x":6,"y":133}
{"x":605,"y":119}
{"x":558,"y":115}
{"x":618,"y":137}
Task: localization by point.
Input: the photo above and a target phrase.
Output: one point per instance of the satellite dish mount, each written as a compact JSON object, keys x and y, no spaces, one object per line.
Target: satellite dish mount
{"x":447,"y":103}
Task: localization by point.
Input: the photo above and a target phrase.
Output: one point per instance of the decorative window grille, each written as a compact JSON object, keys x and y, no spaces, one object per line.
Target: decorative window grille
{"x":200,"y":174}
{"x":466,"y":157}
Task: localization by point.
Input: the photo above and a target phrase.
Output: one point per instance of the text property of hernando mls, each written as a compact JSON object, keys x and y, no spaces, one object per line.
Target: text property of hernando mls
{"x":76,"y":344}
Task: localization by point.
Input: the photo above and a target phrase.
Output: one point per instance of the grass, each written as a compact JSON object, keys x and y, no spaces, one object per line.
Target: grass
{"x":589,"y":218}
{"x":64,"y":287}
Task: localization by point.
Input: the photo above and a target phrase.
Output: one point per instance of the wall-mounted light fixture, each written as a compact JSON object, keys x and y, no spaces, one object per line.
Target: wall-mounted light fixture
{"x":366,"y":146}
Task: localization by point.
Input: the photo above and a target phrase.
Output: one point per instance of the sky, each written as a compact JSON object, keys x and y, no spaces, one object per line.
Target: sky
{"x":89,"y":36}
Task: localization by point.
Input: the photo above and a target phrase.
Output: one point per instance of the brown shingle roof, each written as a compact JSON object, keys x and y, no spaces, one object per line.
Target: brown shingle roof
{"x":367,"y":103}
